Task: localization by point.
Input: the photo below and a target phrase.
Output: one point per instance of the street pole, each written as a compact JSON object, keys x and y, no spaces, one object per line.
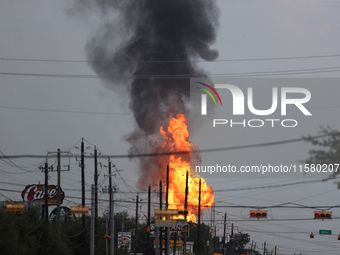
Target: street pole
{"x":215,"y":240}
{"x":96,"y":197}
{"x":83,"y":192}
{"x":185,"y":208}
{"x":175,"y":240}
{"x":157,"y":240}
{"x":224,"y":233}
{"x":46,"y":191}
{"x":232,"y":237}
{"x":136,"y":225}
{"x":112,"y":215}
{"x":160,"y":207}
{"x":148,"y":223}
{"x":264,"y":248}
{"x":112,"y":240}
{"x":199,"y":220}
{"x":106,"y":246}
{"x":58,"y":197}
{"x":167,"y":237}
{"x":92,"y":219}
{"x":275,"y":250}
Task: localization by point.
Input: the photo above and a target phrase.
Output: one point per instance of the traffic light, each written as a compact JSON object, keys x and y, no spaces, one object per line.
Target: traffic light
{"x":311,"y":235}
{"x":322,"y":215}
{"x":15,"y":207}
{"x":79,"y":210}
{"x":258,"y":214}
{"x":183,"y":212}
{"x":148,"y":229}
{"x":338,"y":237}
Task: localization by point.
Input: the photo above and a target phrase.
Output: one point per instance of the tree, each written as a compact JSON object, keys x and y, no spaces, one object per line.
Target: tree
{"x":204,"y":237}
{"x":27,"y":233}
{"x":238,"y":243}
{"x":328,"y":148}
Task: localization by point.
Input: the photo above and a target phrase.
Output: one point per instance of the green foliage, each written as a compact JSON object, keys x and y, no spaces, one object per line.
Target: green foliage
{"x":204,"y":237}
{"x":238,"y":243}
{"x":328,"y":148}
{"x":26,"y":233}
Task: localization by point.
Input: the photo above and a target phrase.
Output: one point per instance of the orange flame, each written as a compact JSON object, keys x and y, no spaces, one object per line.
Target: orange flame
{"x":176,"y":138}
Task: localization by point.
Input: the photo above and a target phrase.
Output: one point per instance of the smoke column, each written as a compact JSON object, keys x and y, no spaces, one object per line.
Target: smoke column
{"x":146,"y":48}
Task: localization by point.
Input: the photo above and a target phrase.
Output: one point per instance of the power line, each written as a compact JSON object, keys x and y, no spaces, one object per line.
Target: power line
{"x":66,"y":111}
{"x":180,"y":76}
{"x":178,"y":152}
{"x":273,"y":186}
{"x":121,"y":113}
{"x":282,"y":206}
{"x":171,"y":61}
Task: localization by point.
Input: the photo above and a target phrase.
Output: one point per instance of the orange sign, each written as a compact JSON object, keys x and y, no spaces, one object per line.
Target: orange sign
{"x":179,"y":243}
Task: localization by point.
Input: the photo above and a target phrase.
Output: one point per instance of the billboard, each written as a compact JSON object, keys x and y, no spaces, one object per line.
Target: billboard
{"x":36,"y":193}
{"x":124,"y":241}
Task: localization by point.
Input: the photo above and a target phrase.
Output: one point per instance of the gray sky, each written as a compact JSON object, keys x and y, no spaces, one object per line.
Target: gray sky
{"x":257,"y":29}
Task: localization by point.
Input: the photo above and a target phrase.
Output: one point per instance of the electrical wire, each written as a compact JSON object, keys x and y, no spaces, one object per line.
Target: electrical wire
{"x":180,"y":76}
{"x":171,"y":61}
{"x":183,"y":152}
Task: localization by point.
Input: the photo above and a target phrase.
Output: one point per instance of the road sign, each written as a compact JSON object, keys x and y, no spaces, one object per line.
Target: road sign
{"x":178,"y":229}
{"x":170,"y":223}
{"x":179,"y":243}
{"x":325,"y":232}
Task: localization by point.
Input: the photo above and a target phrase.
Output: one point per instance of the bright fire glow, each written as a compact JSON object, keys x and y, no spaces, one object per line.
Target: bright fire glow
{"x":176,"y":138}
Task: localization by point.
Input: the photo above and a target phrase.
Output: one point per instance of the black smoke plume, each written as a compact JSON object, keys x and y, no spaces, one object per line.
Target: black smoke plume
{"x":148,"y":49}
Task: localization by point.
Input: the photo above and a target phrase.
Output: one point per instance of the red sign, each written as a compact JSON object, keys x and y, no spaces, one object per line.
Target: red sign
{"x":36,"y":193}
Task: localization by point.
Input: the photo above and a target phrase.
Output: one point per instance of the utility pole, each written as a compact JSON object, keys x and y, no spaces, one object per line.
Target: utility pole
{"x":185,"y":208}
{"x":232,"y":238}
{"x":148,"y":223}
{"x":112,"y":215}
{"x":251,"y":248}
{"x":199,"y":220}
{"x":136,"y":225}
{"x":83,"y":192}
{"x":175,"y":240}
{"x":215,"y":240}
{"x":58,"y":196}
{"x":167,"y":237}
{"x":92,"y":220}
{"x":45,"y":168}
{"x":46,"y":191}
{"x":96,"y":196}
{"x":224,"y":233}
{"x":264,"y":248}
{"x":212,"y":219}
{"x":160,"y":207}
{"x":58,"y":152}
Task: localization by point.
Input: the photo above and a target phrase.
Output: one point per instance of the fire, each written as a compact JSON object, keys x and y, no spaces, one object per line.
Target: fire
{"x":176,"y":138}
